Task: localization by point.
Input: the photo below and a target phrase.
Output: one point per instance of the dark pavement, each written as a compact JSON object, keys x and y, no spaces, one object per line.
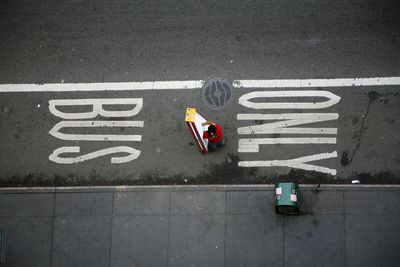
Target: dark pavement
{"x":146,"y":40}
{"x":352,"y":225}
{"x":98,"y":41}
{"x":367,"y":145}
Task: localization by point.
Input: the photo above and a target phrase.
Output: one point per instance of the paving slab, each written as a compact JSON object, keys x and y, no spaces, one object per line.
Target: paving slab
{"x":26,"y":204}
{"x":28,"y":240}
{"x":372,"y":240}
{"x":321,"y":202}
{"x":254,"y":240}
{"x":372,"y":202}
{"x":81,"y":241}
{"x":139,"y":240}
{"x":198,"y":202}
{"x":196,"y":240}
{"x":68,"y":204}
{"x":141,"y":203}
{"x":314,"y":240}
{"x":250,"y":202}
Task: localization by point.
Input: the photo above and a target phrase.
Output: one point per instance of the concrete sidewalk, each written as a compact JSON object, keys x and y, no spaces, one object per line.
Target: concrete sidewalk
{"x":200,"y":226}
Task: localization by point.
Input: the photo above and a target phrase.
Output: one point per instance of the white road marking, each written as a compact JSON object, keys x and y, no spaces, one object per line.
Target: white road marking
{"x":55,"y":131}
{"x":55,"y":156}
{"x":299,"y":163}
{"x":196,"y":84}
{"x":301,"y":83}
{"x":287,"y":116}
{"x":259,"y":129}
{"x":290,"y":119}
{"x":117,"y":86}
{"x":253,"y":144}
{"x":244,"y":99}
{"x":97,"y":107}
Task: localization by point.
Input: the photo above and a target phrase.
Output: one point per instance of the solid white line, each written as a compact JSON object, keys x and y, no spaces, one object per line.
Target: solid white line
{"x":301,"y":83}
{"x":196,"y":84}
{"x":118,"y":86}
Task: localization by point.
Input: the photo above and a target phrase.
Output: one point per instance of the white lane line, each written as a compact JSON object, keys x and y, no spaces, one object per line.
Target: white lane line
{"x":196,"y":84}
{"x":301,"y":83}
{"x":118,"y":86}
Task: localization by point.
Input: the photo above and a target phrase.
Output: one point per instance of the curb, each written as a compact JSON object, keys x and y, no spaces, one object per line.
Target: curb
{"x":266,"y":187}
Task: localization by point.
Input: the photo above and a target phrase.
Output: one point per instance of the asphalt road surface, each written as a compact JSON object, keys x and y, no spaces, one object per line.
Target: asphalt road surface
{"x":45,"y":139}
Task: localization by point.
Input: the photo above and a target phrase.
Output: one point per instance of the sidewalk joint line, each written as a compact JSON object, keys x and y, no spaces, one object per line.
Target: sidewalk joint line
{"x":344,"y":229}
{"x":112,"y":224}
{"x":52,"y":228}
{"x":225,"y":235}
{"x":169,"y":224}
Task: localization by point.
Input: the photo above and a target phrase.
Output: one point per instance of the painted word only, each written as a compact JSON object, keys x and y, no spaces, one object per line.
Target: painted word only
{"x":283,"y":125}
{"x":82,"y":120}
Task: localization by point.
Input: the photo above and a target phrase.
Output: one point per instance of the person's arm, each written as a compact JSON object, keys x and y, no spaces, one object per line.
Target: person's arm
{"x":207,"y":123}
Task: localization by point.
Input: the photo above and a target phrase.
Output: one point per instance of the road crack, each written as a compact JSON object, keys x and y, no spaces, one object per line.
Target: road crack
{"x":372,"y":97}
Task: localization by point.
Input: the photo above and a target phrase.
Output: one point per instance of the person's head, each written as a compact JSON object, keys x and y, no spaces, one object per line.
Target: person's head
{"x":211,"y":130}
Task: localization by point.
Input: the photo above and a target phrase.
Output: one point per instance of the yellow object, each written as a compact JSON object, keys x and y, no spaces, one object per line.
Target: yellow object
{"x":190,"y":114}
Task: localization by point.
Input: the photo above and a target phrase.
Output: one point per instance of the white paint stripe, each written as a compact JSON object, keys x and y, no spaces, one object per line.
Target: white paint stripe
{"x":248,"y":149}
{"x":287,"y":116}
{"x":55,"y":157}
{"x":55,"y":131}
{"x":252,"y":145}
{"x":300,"y":83}
{"x":267,"y":83}
{"x":258,"y":129}
{"x":289,"y":140}
{"x":289,"y":119}
{"x":244,"y":100}
{"x":196,"y":84}
{"x":299,"y":163}
{"x":119,"y":86}
{"x":97,"y":107}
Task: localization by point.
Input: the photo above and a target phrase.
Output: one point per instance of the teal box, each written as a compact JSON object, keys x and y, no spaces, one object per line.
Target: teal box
{"x":287,"y":198}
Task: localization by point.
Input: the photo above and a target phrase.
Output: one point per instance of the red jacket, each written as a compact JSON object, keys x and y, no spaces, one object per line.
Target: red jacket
{"x":216,"y":137}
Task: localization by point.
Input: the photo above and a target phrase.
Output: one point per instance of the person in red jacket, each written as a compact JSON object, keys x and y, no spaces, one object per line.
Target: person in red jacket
{"x":214,"y":136}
